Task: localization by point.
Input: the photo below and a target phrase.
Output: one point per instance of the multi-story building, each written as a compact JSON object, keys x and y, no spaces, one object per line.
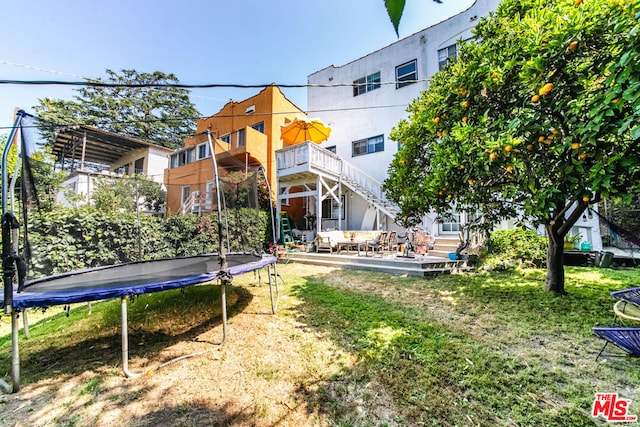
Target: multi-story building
{"x":245,"y":136}
{"x":362,"y":114}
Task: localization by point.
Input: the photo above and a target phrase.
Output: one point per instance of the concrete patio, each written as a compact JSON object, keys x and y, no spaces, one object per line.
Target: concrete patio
{"x":417,"y":265}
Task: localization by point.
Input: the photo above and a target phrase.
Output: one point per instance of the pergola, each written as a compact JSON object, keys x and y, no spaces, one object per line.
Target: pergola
{"x":84,"y":146}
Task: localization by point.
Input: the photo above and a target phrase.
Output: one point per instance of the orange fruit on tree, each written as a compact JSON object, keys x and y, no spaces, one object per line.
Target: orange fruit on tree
{"x":465,"y":104}
{"x":545,"y":89}
{"x":615,"y":101}
{"x":508,"y":148}
{"x":436,"y":119}
{"x":493,"y":156}
{"x":461,"y":166}
{"x":573,"y":45}
{"x":541,"y":138}
{"x":578,"y":2}
{"x":529,"y":147}
{"x":470,"y":181}
{"x":509,"y":169}
{"x":554,"y":131}
{"x":464,"y":119}
{"x":575,"y":145}
{"x":535,"y":98}
{"x":582,"y":156}
{"x":586,"y":199}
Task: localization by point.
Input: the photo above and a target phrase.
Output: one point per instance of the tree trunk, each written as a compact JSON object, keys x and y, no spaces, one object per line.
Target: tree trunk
{"x":554,"y":281}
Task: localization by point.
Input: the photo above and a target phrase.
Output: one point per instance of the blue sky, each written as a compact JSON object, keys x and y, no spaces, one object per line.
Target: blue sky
{"x":200,"y":41}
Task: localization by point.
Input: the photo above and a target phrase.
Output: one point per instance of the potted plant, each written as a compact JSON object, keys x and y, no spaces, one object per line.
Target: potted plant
{"x":570,"y":240}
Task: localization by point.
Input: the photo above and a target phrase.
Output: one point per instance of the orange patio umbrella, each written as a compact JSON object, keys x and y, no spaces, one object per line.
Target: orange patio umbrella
{"x":300,"y":130}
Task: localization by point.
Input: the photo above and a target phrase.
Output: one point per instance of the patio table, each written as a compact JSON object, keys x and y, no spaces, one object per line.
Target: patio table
{"x":352,"y":245}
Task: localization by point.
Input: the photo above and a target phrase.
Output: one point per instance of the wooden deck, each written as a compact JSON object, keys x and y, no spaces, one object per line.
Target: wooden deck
{"x":419,"y":265}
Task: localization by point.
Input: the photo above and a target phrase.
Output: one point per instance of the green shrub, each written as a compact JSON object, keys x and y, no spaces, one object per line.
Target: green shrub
{"x":518,"y":244}
{"x":71,"y":239}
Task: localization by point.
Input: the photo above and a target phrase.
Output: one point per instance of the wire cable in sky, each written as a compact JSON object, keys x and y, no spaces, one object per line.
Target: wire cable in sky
{"x":168,"y":119}
{"x":189,"y":86}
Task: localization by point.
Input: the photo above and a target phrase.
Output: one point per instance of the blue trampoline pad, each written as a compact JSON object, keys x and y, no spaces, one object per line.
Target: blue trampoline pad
{"x":134,"y":278}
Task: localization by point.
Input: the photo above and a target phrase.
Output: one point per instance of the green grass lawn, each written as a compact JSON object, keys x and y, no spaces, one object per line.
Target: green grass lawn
{"x":464,"y":349}
{"x":488,"y":349}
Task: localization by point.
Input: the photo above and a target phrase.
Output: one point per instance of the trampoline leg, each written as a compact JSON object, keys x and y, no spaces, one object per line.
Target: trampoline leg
{"x":125,"y":340}
{"x":15,"y":352}
{"x":25,"y":323}
{"x":273,"y":281}
{"x":223,"y":297}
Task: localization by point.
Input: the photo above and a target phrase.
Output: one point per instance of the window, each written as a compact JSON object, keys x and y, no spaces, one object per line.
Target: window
{"x":138,"y":166}
{"x":331,"y":209}
{"x":331,"y":148}
{"x":405,"y":73}
{"x":241,"y":139}
{"x":284,"y":201}
{"x":122,"y":170}
{"x":182,"y":158}
{"x":366,"y":84}
{"x":226,"y":138}
{"x":367,"y":146}
{"x":186,"y":193}
{"x":203,"y":151}
{"x":259,"y":127}
{"x":447,"y":55}
{"x":373,"y":82}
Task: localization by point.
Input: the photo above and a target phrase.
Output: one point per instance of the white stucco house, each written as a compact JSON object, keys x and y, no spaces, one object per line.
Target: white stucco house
{"x":362,"y":115}
{"x":89,"y":153}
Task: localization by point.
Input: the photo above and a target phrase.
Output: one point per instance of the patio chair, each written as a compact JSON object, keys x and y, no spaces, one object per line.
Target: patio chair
{"x":377,"y":245}
{"x":627,"y":339}
{"x":392,"y":242}
{"x":625,"y":310}
{"x":631,"y":295}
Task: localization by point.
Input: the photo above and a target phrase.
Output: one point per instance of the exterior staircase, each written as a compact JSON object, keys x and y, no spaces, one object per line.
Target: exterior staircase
{"x":444,"y":245}
{"x":311,"y":158}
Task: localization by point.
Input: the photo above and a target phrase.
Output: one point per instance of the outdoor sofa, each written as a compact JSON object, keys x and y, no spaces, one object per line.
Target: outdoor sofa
{"x":331,"y":240}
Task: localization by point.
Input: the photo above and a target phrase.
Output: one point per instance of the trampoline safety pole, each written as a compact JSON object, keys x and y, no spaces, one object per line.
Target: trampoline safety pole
{"x":125,"y":340}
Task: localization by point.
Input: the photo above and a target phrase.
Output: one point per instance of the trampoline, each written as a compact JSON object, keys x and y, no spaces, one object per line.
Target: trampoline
{"x":134,"y":278}
{"x":123,"y":280}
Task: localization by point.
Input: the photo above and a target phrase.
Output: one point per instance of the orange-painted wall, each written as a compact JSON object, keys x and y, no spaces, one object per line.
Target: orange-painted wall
{"x":269,"y":106}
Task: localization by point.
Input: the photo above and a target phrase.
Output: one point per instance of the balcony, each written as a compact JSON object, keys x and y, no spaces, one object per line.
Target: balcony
{"x":302,"y":161}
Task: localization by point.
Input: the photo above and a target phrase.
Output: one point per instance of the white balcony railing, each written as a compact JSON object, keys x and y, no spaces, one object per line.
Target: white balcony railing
{"x":309,"y":156}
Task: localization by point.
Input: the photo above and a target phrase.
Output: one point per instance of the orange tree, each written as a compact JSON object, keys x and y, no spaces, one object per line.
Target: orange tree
{"x":536,"y":120}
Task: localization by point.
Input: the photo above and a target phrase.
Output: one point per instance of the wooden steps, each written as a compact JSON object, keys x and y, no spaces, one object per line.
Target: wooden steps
{"x":444,"y":245}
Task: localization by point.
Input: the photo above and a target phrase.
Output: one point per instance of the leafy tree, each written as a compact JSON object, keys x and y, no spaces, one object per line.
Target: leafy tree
{"x":46,"y":179}
{"x":130,"y":103}
{"x":124,"y":194}
{"x":536,"y":120}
